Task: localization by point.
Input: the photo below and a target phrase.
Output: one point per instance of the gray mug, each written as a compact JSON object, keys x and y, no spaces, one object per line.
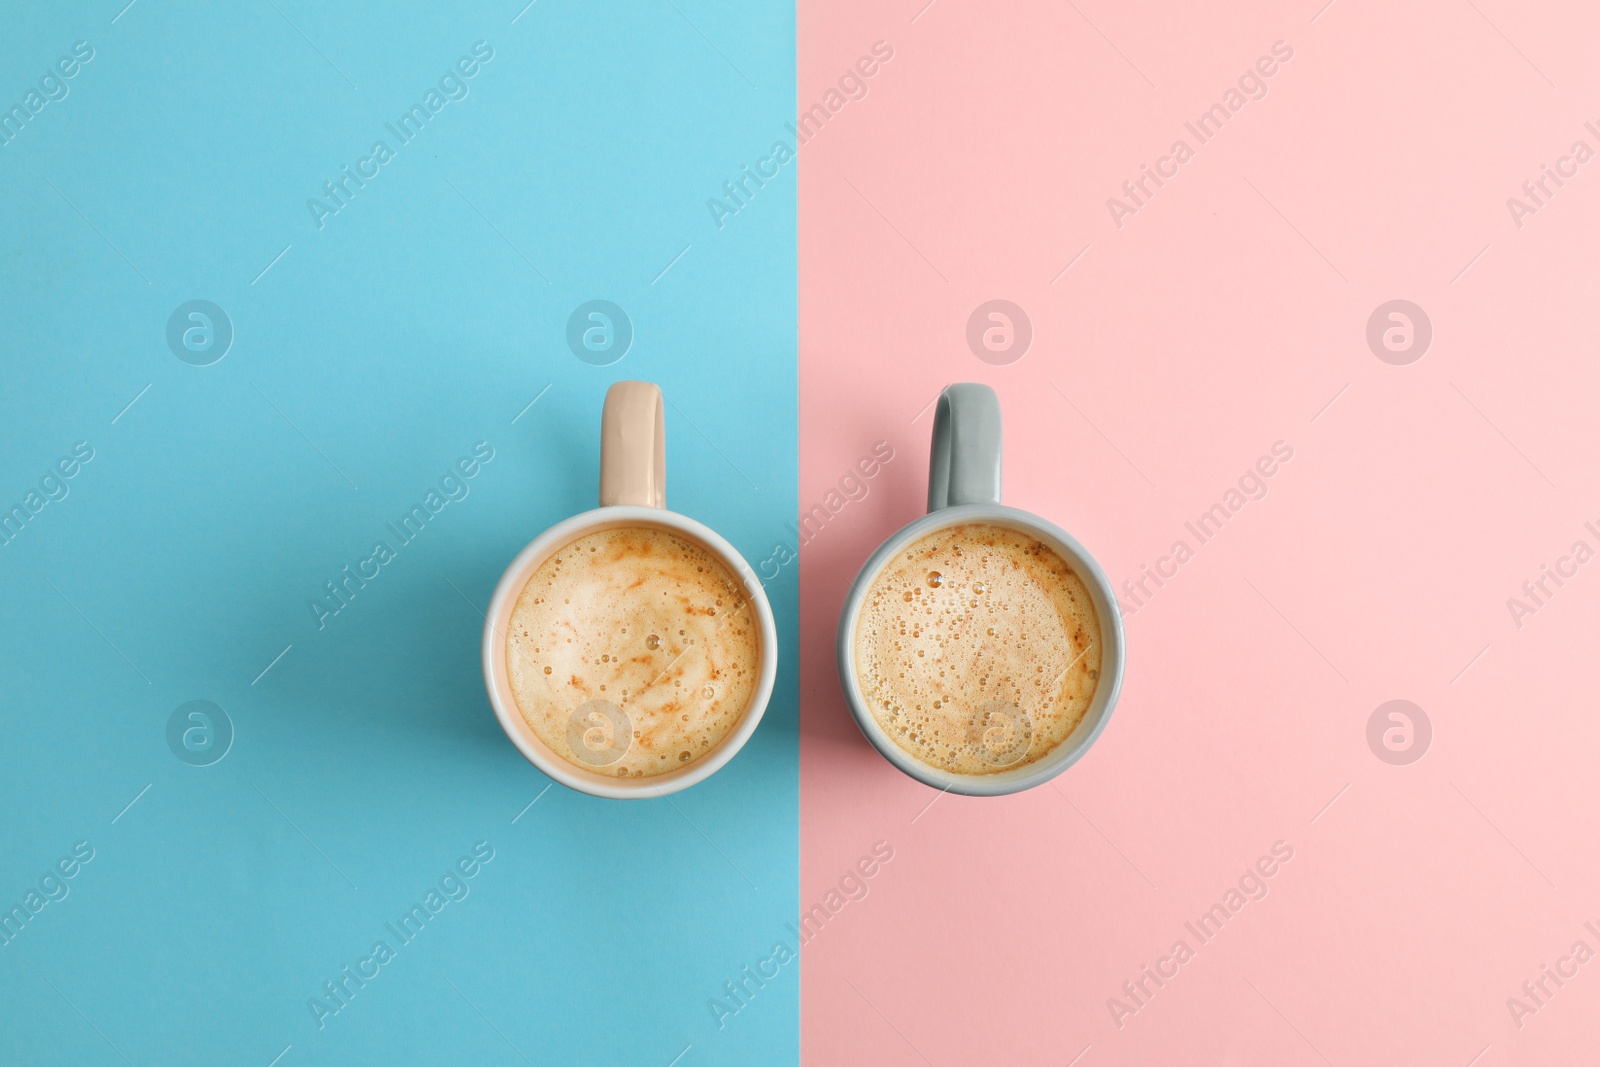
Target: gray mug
{"x":964,"y":487}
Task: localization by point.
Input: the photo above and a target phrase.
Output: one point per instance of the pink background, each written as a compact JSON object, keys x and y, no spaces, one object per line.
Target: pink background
{"x":1222,"y":317}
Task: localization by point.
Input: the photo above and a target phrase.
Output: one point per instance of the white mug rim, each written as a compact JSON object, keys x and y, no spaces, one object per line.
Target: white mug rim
{"x":498,"y":684}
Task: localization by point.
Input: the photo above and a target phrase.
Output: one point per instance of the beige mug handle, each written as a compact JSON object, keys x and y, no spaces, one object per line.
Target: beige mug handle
{"x":633,"y":447}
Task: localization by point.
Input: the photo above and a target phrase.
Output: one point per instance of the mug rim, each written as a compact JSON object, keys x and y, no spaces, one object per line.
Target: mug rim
{"x":498,"y":684}
{"x":1096,"y":715}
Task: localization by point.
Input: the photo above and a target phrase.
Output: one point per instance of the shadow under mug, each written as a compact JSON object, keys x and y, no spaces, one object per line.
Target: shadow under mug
{"x":964,"y":487}
{"x":632,"y":494}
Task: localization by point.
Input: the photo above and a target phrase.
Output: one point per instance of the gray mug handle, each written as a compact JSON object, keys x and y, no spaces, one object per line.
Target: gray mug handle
{"x":964,"y":467}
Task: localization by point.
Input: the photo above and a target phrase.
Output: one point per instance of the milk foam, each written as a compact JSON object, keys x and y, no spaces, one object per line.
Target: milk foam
{"x":632,"y":652}
{"x":977,"y":649}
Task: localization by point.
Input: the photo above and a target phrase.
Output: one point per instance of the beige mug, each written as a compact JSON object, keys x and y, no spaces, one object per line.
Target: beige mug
{"x":632,"y":494}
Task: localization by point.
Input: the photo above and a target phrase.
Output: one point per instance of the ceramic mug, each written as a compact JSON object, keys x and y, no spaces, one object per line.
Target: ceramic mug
{"x":632,"y":494}
{"x":964,"y":487}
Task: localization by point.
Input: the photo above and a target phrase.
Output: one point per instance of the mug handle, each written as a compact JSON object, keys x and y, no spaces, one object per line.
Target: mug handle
{"x":633,"y":447}
{"x":964,"y":467}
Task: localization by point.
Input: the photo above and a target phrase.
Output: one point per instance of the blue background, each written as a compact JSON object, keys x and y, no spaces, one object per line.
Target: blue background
{"x":365,"y":362}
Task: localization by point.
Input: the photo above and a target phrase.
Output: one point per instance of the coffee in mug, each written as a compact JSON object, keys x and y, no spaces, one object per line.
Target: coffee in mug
{"x":632,"y":652}
{"x":977,"y":649}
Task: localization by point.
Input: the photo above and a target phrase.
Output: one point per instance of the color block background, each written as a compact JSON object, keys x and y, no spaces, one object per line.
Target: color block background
{"x":1227,"y":313}
{"x":369,"y":355}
